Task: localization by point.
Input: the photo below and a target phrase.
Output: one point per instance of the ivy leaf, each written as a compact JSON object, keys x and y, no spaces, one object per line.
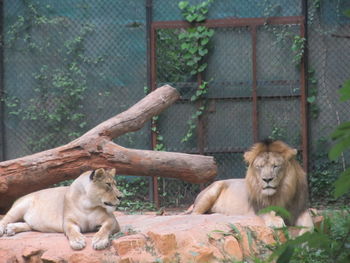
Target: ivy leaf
{"x":342,"y":184}
{"x":183,"y":4}
{"x":210,"y":33}
{"x":182,"y":36}
{"x":185,"y":46}
{"x":311,"y":99}
{"x":193,"y":50}
{"x":202,"y":67}
{"x":200,"y":18}
{"x":203,"y":52}
{"x":194,"y":72}
{"x":201,"y":28}
{"x":204,"y":41}
{"x":190,"y":18}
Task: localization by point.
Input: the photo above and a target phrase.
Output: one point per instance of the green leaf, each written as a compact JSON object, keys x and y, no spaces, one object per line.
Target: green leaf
{"x":338,"y":148}
{"x":203,"y":52}
{"x":311,"y":99}
{"x":193,"y":98}
{"x":286,"y":255}
{"x":190,"y":18}
{"x":193,"y":50}
{"x":200,"y":18}
{"x":201,"y":28}
{"x":347,"y":13}
{"x":210,"y":33}
{"x":204,"y":41}
{"x":345,"y":91}
{"x":342,"y":184}
{"x":202,"y":67}
{"x":185,"y":46}
{"x":183,"y":4}
{"x":194,"y":72}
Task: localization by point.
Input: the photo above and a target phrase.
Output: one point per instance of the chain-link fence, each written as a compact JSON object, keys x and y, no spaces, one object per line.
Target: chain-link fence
{"x":69,"y":65}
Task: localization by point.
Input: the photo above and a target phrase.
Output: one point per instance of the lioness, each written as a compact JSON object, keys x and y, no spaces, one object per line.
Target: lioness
{"x":273,"y":178}
{"x":83,"y":206}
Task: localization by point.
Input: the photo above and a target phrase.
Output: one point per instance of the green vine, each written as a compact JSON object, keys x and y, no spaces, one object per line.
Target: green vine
{"x":312,"y":94}
{"x":195,"y":45}
{"x":298,"y":48}
{"x":56,"y":104}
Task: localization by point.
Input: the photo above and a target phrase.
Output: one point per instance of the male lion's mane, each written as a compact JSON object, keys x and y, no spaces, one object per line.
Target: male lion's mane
{"x":292,"y":193}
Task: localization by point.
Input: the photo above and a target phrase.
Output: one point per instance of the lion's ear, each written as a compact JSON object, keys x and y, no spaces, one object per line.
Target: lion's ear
{"x":290,"y":153}
{"x":249,"y":157}
{"x":97,"y":174}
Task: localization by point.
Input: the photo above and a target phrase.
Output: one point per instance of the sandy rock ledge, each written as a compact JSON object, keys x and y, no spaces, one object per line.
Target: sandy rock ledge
{"x":150,"y":238}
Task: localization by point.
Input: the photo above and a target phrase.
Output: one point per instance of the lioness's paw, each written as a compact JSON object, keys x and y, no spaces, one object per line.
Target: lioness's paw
{"x":99,"y":243}
{"x":10,"y":229}
{"x":77,"y":243}
{"x":2,"y":230}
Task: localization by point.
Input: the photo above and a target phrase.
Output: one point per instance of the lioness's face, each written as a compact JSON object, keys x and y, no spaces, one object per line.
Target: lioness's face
{"x":269,"y":169}
{"x":104,"y":189}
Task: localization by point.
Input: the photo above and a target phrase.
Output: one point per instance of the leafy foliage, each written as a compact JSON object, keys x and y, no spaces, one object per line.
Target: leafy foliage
{"x":194,"y":45}
{"x":342,"y":137}
{"x":56,"y":103}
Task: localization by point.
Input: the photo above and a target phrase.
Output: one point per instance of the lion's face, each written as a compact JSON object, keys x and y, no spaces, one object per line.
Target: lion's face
{"x":269,"y":170}
{"x":103,"y":189}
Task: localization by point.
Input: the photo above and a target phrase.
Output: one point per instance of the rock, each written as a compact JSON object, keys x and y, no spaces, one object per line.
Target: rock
{"x":232,"y":248}
{"x":7,"y":256}
{"x":165,"y":243}
{"x":127,"y":244}
{"x":148,"y":238}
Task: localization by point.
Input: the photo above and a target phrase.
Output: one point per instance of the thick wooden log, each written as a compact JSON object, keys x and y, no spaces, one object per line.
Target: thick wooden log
{"x":95,"y":149}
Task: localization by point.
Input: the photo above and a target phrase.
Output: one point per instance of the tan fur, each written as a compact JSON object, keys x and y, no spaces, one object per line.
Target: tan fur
{"x":273,"y":178}
{"x":88,"y":203}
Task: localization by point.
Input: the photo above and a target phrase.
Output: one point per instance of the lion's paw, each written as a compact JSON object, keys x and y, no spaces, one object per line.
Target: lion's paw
{"x":272,"y":220}
{"x":77,"y":243}
{"x":99,"y":243}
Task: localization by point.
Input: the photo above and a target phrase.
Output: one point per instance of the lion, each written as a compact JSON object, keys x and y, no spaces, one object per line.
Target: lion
{"x":273,"y":178}
{"x":85,"y":205}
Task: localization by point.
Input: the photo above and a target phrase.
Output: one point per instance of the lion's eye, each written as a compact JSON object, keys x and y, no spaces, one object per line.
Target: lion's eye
{"x":108,"y":184}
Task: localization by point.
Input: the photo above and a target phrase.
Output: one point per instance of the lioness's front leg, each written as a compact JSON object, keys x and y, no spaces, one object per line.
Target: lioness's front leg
{"x":76,"y":239}
{"x":101,"y":238}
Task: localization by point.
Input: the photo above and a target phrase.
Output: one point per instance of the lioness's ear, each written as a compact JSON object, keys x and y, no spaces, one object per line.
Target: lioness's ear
{"x":112,"y":172}
{"x":97,"y":174}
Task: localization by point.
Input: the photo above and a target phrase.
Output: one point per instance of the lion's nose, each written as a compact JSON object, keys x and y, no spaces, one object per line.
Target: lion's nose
{"x":267,"y":180}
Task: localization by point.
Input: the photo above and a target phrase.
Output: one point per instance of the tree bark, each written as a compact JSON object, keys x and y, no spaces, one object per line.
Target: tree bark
{"x":95,"y":149}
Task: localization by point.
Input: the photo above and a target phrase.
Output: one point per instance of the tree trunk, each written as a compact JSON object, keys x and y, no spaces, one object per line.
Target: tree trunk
{"x":95,"y":149}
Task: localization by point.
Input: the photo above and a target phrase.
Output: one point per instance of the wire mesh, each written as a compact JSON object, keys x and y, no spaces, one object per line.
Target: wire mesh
{"x":69,"y":65}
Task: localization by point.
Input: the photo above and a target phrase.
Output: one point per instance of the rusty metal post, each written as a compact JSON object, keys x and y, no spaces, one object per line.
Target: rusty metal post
{"x":151,"y":84}
{"x":303,"y":91}
{"x":2,"y":87}
{"x":254,"y":86}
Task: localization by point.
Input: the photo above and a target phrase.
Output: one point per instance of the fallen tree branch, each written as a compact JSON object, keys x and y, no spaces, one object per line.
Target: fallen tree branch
{"x":95,"y":149}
